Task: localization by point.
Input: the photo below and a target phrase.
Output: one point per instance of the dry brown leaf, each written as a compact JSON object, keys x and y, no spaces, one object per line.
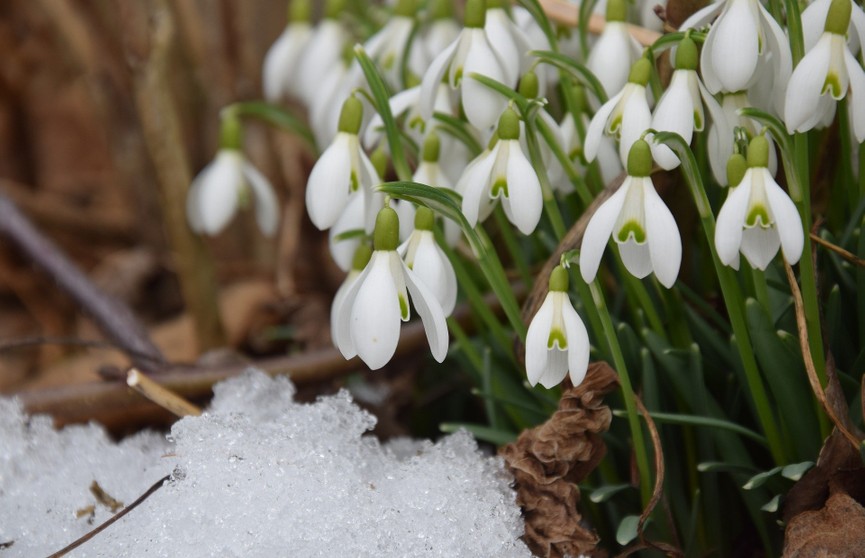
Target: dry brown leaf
{"x":548,"y":461}
{"x":838,"y":529}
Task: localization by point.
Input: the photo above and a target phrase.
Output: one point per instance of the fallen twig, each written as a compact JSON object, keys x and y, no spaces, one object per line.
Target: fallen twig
{"x":165,"y":398}
{"x":568,"y":14}
{"x":849,"y":256}
{"x":113,"y":318}
{"x":66,"y":550}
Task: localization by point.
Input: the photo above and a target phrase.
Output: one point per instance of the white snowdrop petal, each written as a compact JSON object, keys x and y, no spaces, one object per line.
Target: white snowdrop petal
{"x":218,"y":193}
{"x":598,"y":232}
{"x":476,"y":184}
{"x":636,"y":119}
{"x":781,"y":59}
{"x":787,"y":220}
{"x":432,"y":269}
{"x":482,"y":105}
{"x":352,"y":218}
{"x":193,"y":214}
{"x":720,"y":140}
{"x":636,"y":257}
{"x":329,"y":184}
{"x":537,"y":353}
{"x":375,"y":314}
{"x":736,"y":31}
{"x":342,"y":336}
{"x":760,"y":245}
{"x":266,"y":202}
{"x":282,"y":61}
{"x":806,"y":87}
{"x":433,"y":77}
{"x":500,"y":38}
{"x":665,"y":242}
{"x":431,"y":314}
{"x":856,"y":104}
{"x":813,"y":20}
{"x":339,"y":322}
{"x":674,"y":113}
{"x":596,"y":128}
{"x":611,"y":57}
{"x":524,"y":200}
{"x":731,"y":220}
{"x":556,"y":369}
{"x":323,"y":49}
{"x":702,"y":17}
{"x":578,"y":342}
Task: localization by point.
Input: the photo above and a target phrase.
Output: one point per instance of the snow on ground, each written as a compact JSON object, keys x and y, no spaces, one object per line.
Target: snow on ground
{"x":256,"y":475}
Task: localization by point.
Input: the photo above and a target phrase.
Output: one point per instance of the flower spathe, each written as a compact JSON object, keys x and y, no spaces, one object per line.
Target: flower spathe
{"x":369,"y":315}
{"x":342,"y":169}
{"x":557,"y":340}
{"x":503,"y":173}
{"x":758,"y":217}
{"x":639,"y":222}
{"x":224,"y":185}
{"x":827,"y":73}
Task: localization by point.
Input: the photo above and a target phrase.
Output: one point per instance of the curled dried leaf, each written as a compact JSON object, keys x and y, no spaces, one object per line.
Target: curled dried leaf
{"x":548,"y":461}
{"x":838,"y":529}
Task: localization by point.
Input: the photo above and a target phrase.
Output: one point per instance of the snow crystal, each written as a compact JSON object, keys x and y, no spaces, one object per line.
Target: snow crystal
{"x":256,"y":475}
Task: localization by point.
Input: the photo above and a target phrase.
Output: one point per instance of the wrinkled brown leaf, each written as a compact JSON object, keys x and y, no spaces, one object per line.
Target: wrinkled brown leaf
{"x":836,"y":530}
{"x":548,"y":461}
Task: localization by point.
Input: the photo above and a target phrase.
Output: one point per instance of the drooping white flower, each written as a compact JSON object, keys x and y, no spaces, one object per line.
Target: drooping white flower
{"x":503,"y":172}
{"x":323,"y":50}
{"x":720,"y":146}
{"x":814,"y":24}
{"x":224,"y":185}
{"x":343,"y":168}
{"x":357,"y":263}
{"x":743,"y":35}
{"x":639,"y":222}
{"x":507,"y":40}
{"x":609,"y":162}
{"x":615,"y":51}
{"x":470,"y":53}
{"x":758,"y":217}
{"x":442,"y":30}
{"x":625,"y":116}
{"x":389,"y":45}
{"x":557,"y":340}
{"x":369,"y":315}
{"x":352,"y":219}
{"x":680,"y":108}
{"x":537,"y":41}
{"x":430,"y":172}
{"x":827,"y":73}
{"x":279,"y":75}
{"x":426,"y":259}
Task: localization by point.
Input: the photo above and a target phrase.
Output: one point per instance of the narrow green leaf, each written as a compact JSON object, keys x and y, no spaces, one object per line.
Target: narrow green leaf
{"x":604,"y":493}
{"x":760,"y":479}
{"x":459,"y":129}
{"x":503,"y":90}
{"x":275,"y":116}
{"x":349,"y":234}
{"x":723,"y":467}
{"x":627,"y":530}
{"x":694,"y":420}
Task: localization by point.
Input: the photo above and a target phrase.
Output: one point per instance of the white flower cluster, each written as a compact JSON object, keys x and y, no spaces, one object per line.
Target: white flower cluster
{"x":450,"y":83}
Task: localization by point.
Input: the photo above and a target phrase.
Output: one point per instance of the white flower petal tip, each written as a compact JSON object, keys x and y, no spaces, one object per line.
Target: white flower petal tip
{"x":428,"y":262}
{"x":222,"y":186}
{"x":557,"y":342}
{"x":641,"y":224}
{"x":341,"y":170}
{"x":368,"y":318}
{"x":757,"y":219}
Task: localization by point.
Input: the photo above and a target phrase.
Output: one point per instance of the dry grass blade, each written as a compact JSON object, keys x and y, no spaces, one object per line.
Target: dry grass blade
{"x":163,"y":397}
{"x":849,"y":256}
{"x":66,"y":550}
{"x":809,"y":361}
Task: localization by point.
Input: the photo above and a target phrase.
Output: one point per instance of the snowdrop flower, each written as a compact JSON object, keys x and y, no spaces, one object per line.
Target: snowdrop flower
{"x":470,"y":53}
{"x":625,"y":116}
{"x":830,"y":68}
{"x":323,"y":50}
{"x":758,"y":217}
{"x":430,"y":172}
{"x":388,"y":47}
{"x":743,"y":35}
{"x":443,"y":29}
{"x":427,"y":260}
{"x":720,"y":149}
{"x":557,"y":340}
{"x":358,"y":262}
{"x":503,"y":172}
{"x":408,"y":102}
{"x":680,"y":108}
{"x":507,"y":40}
{"x":369,"y":315}
{"x":343,"y":168}
{"x":225,"y":184}
{"x":615,"y":51}
{"x":639,"y":222}
{"x":814,"y":23}
{"x":281,"y":62}
{"x":607,"y":156}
